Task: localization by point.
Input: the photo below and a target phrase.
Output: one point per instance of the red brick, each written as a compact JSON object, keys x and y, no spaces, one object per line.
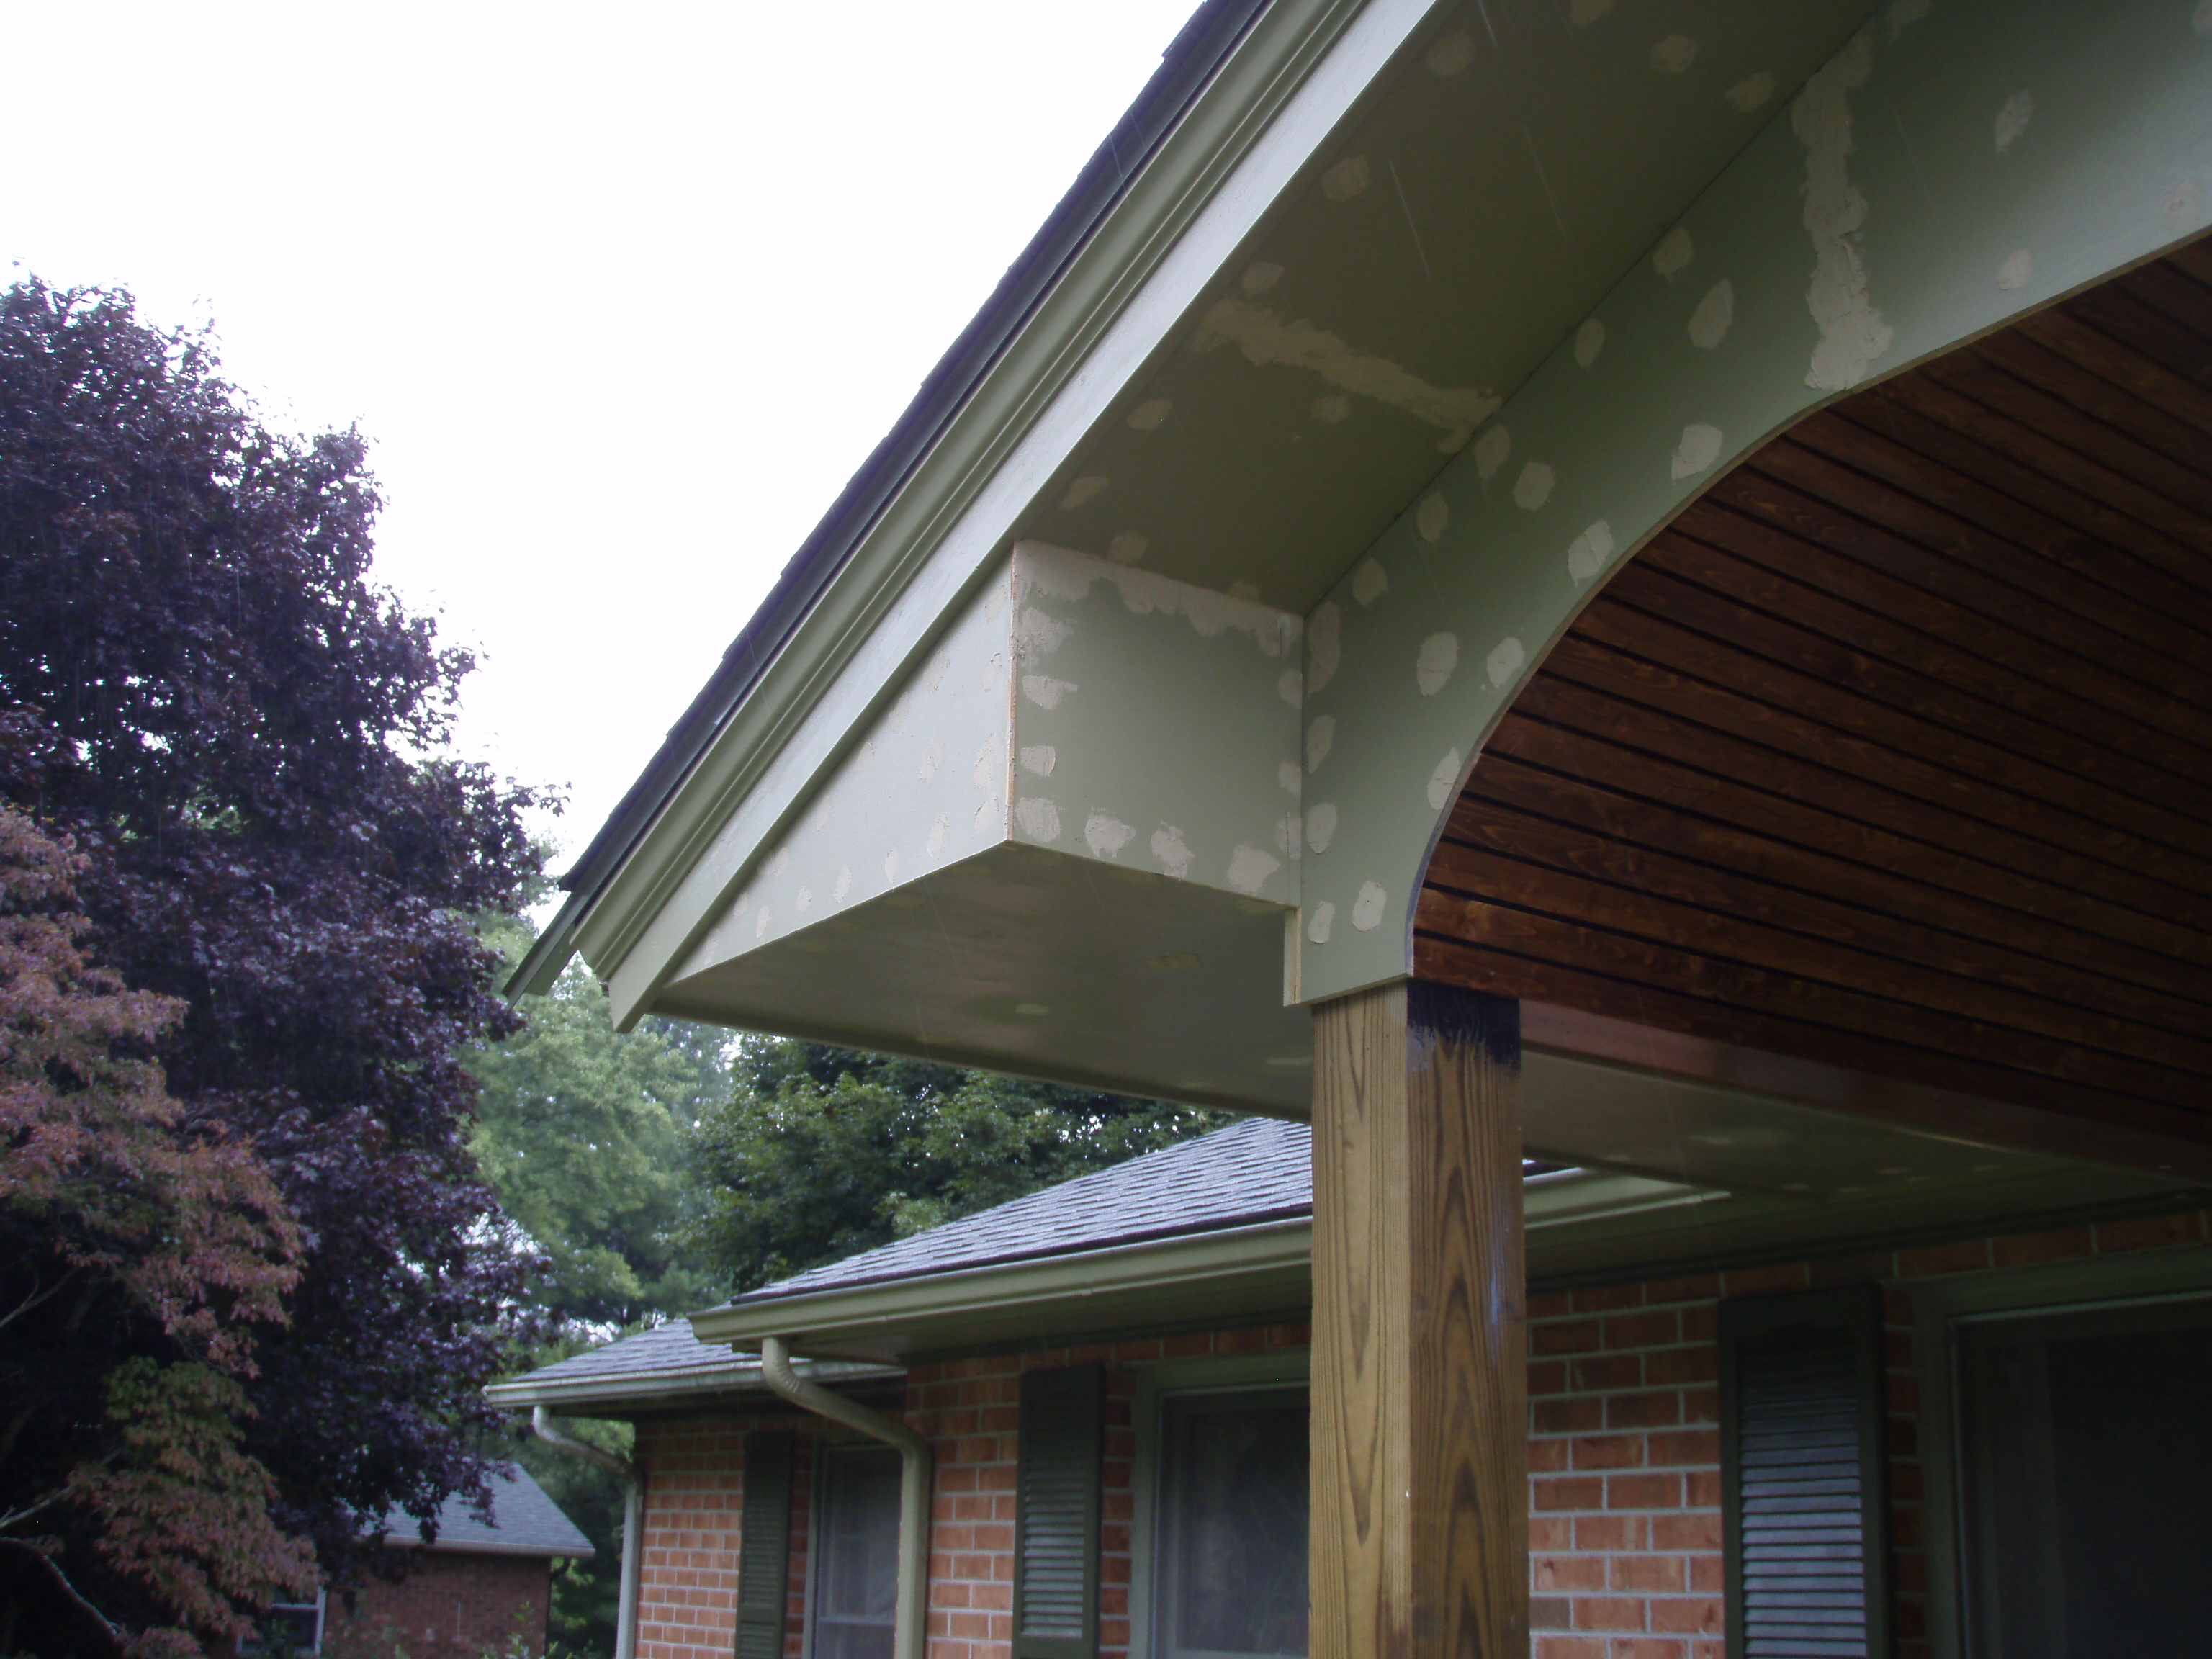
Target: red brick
{"x":1697,"y":1364}
{"x":1608,"y":1298}
{"x":1610,"y":1532}
{"x":1566,"y":1336}
{"x":1965,"y":1256}
{"x":1648,"y":1647}
{"x":1762,"y":1281}
{"x":1643,"y":1411}
{"x":1618,"y":1370}
{"x":1546,"y":1377}
{"x":1649,"y":1574}
{"x":1655,"y":1328}
{"x":1701,"y":1446}
{"x":2150,"y":1233}
{"x":1550,"y":1306}
{"x":1869,"y":1269}
{"x":1608,"y":1451}
{"x":1568,"y":1572}
{"x":1624,"y":1612}
{"x":1568,"y":1491}
{"x":1568,"y":1416}
{"x":1698,"y":1615}
{"x":1700,"y":1287}
{"x":1643,"y":1491}
{"x":1571,"y":1647}
{"x":2027,"y":1250}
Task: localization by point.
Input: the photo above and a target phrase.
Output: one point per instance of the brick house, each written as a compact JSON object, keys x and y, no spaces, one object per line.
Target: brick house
{"x":484,"y":1586}
{"x":1616,"y":583}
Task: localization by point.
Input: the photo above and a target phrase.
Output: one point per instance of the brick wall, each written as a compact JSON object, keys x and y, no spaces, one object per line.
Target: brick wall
{"x":451,"y":1605}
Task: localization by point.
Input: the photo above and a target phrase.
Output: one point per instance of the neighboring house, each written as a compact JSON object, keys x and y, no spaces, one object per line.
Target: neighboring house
{"x":1615,"y":583}
{"x":484,"y":1587}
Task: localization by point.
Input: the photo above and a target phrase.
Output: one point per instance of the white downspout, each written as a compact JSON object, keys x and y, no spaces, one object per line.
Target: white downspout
{"x":632,"y":1548}
{"x":909,"y":1630}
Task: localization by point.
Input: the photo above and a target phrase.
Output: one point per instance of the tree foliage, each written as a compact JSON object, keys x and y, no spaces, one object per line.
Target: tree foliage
{"x":246,"y":738}
{"x":818,"y":1152}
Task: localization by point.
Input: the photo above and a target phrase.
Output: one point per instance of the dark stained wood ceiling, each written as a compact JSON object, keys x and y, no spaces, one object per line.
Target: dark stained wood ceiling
{"x":1894,"y":751}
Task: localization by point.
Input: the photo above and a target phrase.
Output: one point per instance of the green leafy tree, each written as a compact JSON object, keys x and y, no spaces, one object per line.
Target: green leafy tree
{"x":819,"y":1152}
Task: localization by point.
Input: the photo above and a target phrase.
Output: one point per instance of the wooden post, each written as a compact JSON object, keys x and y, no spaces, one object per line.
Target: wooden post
{"x":1421,"y":1415}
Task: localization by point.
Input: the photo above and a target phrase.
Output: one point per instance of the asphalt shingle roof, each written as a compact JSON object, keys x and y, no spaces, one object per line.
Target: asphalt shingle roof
{"x":663,"y":1350}
{"x":524,"y":1520}
{"x":1260,"y":1169}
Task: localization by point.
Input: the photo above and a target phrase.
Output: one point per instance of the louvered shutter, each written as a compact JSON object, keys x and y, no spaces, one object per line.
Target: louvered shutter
{"x":1803,"y":1476}
{"x":1056,"y":1514}
{"x":764,"y":1547}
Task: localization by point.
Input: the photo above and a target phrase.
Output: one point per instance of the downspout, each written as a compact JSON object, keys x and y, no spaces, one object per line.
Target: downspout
{"x":633,"y":1547}
{"x":910,"y":1626}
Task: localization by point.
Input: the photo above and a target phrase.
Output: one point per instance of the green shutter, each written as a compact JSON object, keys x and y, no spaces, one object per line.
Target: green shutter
{"x":1803,"y":1479}
{"x":1056,"y":1514}
{"x":764,"y":1547}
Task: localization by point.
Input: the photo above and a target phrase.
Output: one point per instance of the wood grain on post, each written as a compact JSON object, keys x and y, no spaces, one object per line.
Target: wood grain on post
{"x":1420,"y":1449}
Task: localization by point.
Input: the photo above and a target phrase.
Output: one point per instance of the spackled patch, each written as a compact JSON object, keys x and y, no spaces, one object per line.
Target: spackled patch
{"x":1751,"y":93}
{"x":1369,"y":582}
{"x":1450,"y":55}
{"x":1266,"y":337}
{"x":1367,"y":908}
{"x":933,"y":676}
{"x":1330,"y":411}
{"x":1086,"y":489}
{"x":2185,"y":206}
{"x":1709,"y":323}
{"x":1432,"y":518}
{"x":1324,"y":646}
{"x":938,"y":831}
{"x":890,"y":865}
{"x":1290,"y":687}
{"x":1106,"y":834}
{"x":1150,"y":414}
{"x":989,"y":820}
{"x":1504,"y":662}
{"x":1673,"y":55}
{"x":1320,"y":734}
{"x":1288,"y":829}
{"x":1904,"y":14}
{"x":1040,"y":634}
{"x":1128,"y":548}
{"x":1698,"y":447}
{"x":1534,"y":486}
{"x":760,"y":924}
{"x":1441,"y":780}
{"x":1675,"y":253}
{"x":1169,"y":848}
{"x":1319,"y":923}
{"x":932,"y":758}
{"x":1039,"y":758}
{"x":1038,"y":817}
{"x":1346,"y":179}
{"x":1250,"y":868}
{"x":866,"y":757}
{"x":1587,"y":553}
{"x":1852,"y":332}
{"x":779,"y":861}
{"x":1321,"y":827}
{"x":1259,"y":275}
{"x":985,"y":774}
{"x":1589,"y":340}
{"x":1244,"y":590}
{"x":1439,"y":655}
{"x":2018,"y":266}
{"x":2013,"y":118}
{"x":843,"y":886}
{"x":1491,"y":451}
{"x":804,"y":902}
{"x":995,"y":666}
{"x":1045,"y":691}
{"x":1292,"y":781}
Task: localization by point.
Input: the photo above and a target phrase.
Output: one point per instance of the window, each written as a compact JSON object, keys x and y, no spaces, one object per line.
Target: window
{"x":1229,"y":1572}
{"x":856,"y":1561}
{"x":289,"y":1628}
{"x":2085,"y":1466}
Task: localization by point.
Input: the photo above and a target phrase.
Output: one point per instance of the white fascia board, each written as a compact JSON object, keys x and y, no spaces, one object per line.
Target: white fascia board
{"x":1261,"y":124}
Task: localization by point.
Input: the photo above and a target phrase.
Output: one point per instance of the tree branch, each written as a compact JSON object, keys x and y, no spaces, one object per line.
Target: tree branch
{"x":54,"y":1568}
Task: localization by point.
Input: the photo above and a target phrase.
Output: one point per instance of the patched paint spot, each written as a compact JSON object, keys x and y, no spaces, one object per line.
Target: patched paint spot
{"x":1505,"y":661}
{"x":1041,"y":634}
{"x":1698,"y":447}
{"x":760,"y":924}
{"x":866,"y":757}
{"x":1039,"y":758}
{"x":1673,"y":55}
{"x":1442,"y":781}
{"x":1432,"y":518}
{"x":1852,"y":332}
{"x":1106,"y":836}
{"x":1246,"y":591}
{"x":1250,"y":868}
{"x":991,"y":669}
{"x":1751,"y":93}
{"x":1324,"y":646}
{"x":843,"y":885}
{"x":1150,"y":414}
{"x":1534,"y":486}
{"x":1168,"y":847}
{"x":1451,"y":55}
{"x":1320,"y":733}
{"x":890,"y":865}
{"x":1904,"y":14}
{"x":1589,"y":340}
{"x":1032,"y":1010}
{"x":1290,"y":687}
{"x":1267,"y":337}
{"x":1318,"y":924}
{"x":1369,"y":582}
{"x":933,"y":676}
{"x":1367,"y":908}
{"x":989,"y":819}
{"x":932,"y":758}
{"x":1290,"y":829}
{"x":1086,"y":489}
{"x":1045,"y":691}
{"x":984,"y":775}
{"x":1128,"y":548}
{"x":1675,"y":253}
{"x":1292,"y":781}
{"x":1491,"y":451}
{"x":1321,"y":826}
{"x":1259,"y":275}
{"x":897,"y":718}
{"x":1331,"y":411}
{"x":804,"y":902}
{"x":1038,"y":817}
{"x":1439,"y":655}
{"x":1587,"y":553}
{"x":1709,"y":323}
{"x":2186,"y":205}
{"x":1348,"y":178}
{"x":2013,"y":118}
{"x":938,"y":831}
{"x":2018,"y":268}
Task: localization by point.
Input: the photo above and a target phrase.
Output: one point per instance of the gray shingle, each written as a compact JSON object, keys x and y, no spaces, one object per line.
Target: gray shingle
{"x":665,"y":1348}
{"x":524,"y":1521}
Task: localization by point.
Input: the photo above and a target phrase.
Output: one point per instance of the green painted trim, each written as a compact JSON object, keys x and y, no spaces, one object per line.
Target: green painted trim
{"x":656,"y":904}
{"x":736,"y":1376}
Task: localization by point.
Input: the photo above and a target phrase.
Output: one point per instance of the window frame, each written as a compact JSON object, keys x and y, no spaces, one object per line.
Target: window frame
{"x":826,"y":1447}
{"x":1279,"y":1368}
{"x":253,"y":1645}
{"x":2086,"y":1285}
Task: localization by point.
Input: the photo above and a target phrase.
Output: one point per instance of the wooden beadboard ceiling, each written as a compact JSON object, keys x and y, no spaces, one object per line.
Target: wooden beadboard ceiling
{"x":1894,"y":751}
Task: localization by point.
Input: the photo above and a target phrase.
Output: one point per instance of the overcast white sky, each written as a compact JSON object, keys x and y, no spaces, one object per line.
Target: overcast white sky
{"x":622,"y":294}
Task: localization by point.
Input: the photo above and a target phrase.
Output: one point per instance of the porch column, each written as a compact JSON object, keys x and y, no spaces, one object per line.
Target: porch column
{"x":1420,"y":1432}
